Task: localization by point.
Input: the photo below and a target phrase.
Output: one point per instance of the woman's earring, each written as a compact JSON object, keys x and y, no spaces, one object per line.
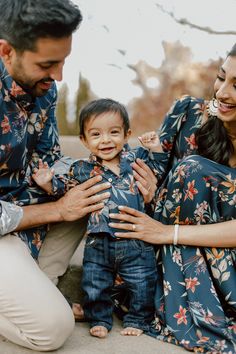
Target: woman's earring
{"x":212,"y":107}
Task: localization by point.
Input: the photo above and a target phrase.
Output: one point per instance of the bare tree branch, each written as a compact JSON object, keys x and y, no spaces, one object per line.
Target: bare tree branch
{"x":185,"y":22}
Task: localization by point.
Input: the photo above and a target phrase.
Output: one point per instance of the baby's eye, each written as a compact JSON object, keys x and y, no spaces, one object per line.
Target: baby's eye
{"x":95,"y":134}
{"x":115,"y":132}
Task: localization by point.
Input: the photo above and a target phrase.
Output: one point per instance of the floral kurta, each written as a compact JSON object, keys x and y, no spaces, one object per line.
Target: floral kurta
{"x":196,"y":291}
{"x":28,"y":131}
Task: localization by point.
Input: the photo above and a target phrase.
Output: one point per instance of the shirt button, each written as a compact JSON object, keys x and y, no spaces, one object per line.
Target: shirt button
{"x":110,"y":180}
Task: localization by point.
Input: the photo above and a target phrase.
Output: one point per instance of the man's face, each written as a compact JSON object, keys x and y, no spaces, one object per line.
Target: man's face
{"x":35,"y":70}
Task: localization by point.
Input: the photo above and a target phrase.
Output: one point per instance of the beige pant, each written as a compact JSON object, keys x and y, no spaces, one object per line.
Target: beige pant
{"x":59,"y":246}
{"x":33,"y":312}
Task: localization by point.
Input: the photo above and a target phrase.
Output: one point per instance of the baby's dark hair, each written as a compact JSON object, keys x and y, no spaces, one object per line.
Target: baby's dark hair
{"x":102,"y":105}
{"x":23,"y":22}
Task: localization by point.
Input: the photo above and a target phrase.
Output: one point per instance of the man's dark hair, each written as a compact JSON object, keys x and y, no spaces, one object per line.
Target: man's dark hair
{"x":23,"y":22}
{"x":103,"y":105}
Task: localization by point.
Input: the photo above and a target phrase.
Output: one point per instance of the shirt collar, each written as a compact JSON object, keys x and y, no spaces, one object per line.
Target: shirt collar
{"x":14,"y":91}
{"x":93,"y":158}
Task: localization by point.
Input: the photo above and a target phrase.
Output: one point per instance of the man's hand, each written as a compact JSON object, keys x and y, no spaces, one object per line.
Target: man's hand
{"x":83,"y":199}
{"x":146,"y":180}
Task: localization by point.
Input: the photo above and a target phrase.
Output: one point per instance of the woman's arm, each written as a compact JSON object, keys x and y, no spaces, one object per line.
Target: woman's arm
{"x":147,"y":229}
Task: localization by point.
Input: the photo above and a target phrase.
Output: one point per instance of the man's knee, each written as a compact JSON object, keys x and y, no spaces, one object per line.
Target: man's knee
{"x":55,"y":329}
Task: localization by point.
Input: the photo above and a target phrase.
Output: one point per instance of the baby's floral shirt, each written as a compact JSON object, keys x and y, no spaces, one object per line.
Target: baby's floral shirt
{"x":123,"y":191}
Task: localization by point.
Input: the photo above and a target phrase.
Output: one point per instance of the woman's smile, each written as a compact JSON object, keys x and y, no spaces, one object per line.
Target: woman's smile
{"x":226,"y":107}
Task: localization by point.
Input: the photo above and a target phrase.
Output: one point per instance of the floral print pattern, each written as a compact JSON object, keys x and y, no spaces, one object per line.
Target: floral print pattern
{"x":123,"y":191}
{"x":28,"y":131}
{"x":196,"y":290}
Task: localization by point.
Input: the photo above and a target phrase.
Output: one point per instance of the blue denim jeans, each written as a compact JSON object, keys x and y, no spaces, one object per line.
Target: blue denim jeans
{"x":135,"y":262}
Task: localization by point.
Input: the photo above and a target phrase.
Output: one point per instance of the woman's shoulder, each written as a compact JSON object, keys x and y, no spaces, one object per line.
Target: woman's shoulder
{"x":185,"y":113}
{"x":186,"y":102}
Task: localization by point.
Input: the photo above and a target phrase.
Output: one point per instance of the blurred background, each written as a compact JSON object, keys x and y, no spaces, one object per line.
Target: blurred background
{"x":145,"y":54}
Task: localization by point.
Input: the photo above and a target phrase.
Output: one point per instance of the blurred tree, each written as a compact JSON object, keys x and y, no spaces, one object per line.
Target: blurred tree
{"x":61,"y":111}
{"x":177,"y":76}
{"x":186,"y":22}
{"x":83,"y":96}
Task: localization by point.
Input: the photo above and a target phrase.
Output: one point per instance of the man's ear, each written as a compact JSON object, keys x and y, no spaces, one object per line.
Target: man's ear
{"x":6,"y":50}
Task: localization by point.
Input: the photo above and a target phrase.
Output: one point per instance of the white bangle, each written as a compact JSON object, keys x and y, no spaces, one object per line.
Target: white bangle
{"x":176,"y":234}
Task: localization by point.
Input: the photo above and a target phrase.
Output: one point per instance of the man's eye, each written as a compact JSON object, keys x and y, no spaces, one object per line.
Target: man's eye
{"x":45,"y":66}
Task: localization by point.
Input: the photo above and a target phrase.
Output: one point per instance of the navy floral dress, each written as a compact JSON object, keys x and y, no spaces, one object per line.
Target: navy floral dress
{"x":196,"y":290}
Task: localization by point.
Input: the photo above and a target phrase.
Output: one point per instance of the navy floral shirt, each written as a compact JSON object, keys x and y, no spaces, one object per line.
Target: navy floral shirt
{"x":28,"y":131}
{"x":124,"y":190}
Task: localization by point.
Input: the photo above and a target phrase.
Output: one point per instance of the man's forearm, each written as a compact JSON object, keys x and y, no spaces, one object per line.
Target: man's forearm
{"x":39,"y":214}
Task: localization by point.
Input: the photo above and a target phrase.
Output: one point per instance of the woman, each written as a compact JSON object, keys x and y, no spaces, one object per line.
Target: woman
{"x":196,"y":292}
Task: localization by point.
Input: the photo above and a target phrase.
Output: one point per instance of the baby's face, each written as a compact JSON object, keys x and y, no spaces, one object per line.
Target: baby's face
{"x":105,"y":135}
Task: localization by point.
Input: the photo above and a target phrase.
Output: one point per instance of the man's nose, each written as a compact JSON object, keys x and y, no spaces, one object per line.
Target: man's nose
{"x":56,"y":73}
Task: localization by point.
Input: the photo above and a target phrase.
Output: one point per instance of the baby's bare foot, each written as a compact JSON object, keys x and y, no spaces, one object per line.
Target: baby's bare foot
{"x":130,"y":331}
{"x":98,"y":331}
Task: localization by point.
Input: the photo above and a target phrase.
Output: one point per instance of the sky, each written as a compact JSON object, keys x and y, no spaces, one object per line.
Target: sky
{"x":115,"y":33}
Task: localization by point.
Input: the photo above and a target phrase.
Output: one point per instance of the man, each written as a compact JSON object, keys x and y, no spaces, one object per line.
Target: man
{"x":35,"y":39}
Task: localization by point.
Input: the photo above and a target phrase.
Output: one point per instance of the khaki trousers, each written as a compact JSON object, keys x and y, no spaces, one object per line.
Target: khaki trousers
{"x":33,"y":312}
{"x":59,"y":246}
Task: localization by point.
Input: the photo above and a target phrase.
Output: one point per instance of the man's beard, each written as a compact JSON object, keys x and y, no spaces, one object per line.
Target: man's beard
{"x":32,"y":88}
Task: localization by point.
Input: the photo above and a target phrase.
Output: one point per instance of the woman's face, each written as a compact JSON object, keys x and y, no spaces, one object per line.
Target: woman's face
{"x":225,"y":90}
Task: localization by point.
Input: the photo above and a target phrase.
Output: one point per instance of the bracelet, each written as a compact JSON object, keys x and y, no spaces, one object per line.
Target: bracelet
{"x":176,"y":234}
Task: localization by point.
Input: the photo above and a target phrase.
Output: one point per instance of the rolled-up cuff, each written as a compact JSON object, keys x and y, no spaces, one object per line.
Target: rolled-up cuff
{"x":10,"y":217}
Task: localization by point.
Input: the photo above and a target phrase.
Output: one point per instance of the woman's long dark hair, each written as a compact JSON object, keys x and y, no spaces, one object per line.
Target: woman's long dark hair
{"x":212,"y":137}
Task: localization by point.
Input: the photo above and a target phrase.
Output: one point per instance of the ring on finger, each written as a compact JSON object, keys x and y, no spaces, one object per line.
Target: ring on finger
{"x":134,"y":227}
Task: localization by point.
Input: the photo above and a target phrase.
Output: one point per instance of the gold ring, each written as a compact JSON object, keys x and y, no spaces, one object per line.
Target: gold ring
{"x":133,"y":227}
{"x":149,"y":188}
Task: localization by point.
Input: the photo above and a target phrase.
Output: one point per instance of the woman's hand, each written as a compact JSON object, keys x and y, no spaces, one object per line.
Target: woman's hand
{"x":141,"y":226}
{"x":146,"y":180}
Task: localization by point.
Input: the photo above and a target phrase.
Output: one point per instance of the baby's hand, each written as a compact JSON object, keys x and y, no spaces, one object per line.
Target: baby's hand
{"x":150,"y":140}
{"x":43,"y":176}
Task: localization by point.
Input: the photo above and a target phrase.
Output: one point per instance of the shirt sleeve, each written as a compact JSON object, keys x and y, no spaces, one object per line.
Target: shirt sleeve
{"x":10,"y":217}
{"x":157,"y":161}
{"x":173,"y":122}
{"x":61,"y":178}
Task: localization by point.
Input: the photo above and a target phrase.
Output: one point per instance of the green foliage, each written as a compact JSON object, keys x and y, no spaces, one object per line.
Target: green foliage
{"x":83,"y":96}
{"x":61,"y":111}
